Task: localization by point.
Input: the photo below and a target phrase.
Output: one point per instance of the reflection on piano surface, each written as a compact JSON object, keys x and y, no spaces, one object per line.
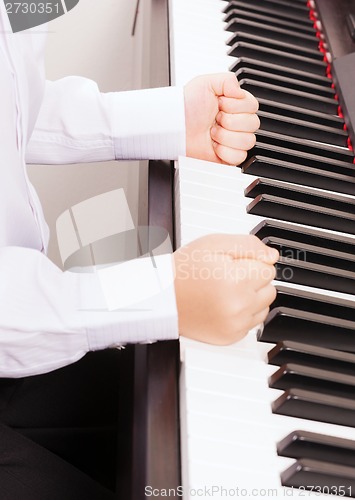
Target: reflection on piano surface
{"x":275,"y":413}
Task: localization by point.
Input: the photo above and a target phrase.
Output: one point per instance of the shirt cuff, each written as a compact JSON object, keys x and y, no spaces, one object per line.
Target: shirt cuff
{"x":131,"y":302}
{"x":149,"y":124}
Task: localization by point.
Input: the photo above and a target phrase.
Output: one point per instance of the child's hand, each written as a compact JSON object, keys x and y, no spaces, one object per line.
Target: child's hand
{"x":220,"y":119}
{"x":223,"y":287}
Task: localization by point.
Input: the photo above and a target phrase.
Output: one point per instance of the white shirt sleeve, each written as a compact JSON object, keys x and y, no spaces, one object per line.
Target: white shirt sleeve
{"x":50,"y":319}
{"x":64,"y":315}
{"x":77,"y":123}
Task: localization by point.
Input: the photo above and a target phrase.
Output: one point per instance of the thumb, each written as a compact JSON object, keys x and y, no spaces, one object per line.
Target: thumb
{"x":250,"y":247}
{"x":241,"y":247}
{"x":226,"y":84}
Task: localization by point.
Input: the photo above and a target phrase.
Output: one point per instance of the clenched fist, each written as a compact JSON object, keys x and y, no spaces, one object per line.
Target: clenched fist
{"x":223,"y":287}
{"x":220,"y":119}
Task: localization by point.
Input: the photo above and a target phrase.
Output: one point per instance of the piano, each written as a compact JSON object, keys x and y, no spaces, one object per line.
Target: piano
{"x":273,"y":415}
{"x":245,"y":407}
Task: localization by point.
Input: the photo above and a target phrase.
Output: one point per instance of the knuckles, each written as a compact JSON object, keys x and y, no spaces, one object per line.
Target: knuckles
{"x":273,"y":294}
{"x":257,"y":122}
{"x":253,"y":104}
{"x":244,"y":122}
{"x":239,"y":157}
{"x":249,"y":141}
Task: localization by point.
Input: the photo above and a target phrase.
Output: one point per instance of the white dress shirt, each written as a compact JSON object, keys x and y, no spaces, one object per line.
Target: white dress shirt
{"x":50,"y":318}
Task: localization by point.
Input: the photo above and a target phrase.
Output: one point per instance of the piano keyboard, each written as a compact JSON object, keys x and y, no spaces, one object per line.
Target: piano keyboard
{"x":260,"y":419}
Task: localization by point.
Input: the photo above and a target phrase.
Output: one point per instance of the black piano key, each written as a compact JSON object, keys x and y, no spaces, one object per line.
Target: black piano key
{"x":252,"y":9}
{"x":306,"y":146}
{"x":315,"y":275}
{"x":299,"y":174}
{"x":267,"y":55}
{"x":313,"y":302}
{"x":314,"y":446}
{"x":315,"y":406}
{"x":266,"y":20}
{"x":273,"y":33}
{"x":289,"y":96}
{"x":274,"y":69}
{"x":302,"y":213}
{"x":310,"y":355}
{"x":274,"y":44}
{"x":311,"y":253}
{"x":320,"y":477}
{"x":271,"y":10}
{"x":305,"y":235}
{"x":302,"y":129}
{"x":320,"y":161}
{"x":293,"y":376}
{"x":283,"y":323}
{"x":323,"y":199}
{"x":308,"y":116}
{"x":297,"y":8}
{"x":299,"y":157}
{"x":302,"y":2}
{"x":286,"y":82}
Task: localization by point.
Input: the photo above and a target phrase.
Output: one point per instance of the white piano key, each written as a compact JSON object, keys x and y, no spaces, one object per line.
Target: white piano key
{"x":224,"y":361}
{"x":204,"y":167}
{"x":207,"y":474}
{"x":212,"y":403}
{"x":231,"y":223}
{"x":226,"y":385}
{"x":205,"y":192}
{"x":191,"y":233}
{"x":217,"y":175}
{"x":235,"y":211}
{"x":193,"y":180}
{"x":245,"y":346}
{"x":191,"y":51}
{"x":235,"y":483}
{"x":225,"y":429}
{"x":239,"y":455}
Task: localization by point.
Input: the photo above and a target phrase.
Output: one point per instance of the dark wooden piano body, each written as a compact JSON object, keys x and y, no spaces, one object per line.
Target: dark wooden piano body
{"x":149,"y":393}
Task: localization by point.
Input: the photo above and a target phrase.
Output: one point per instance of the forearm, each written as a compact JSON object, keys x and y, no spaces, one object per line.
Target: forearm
{"x":49,"y":319}
{"x":77,"y":123}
